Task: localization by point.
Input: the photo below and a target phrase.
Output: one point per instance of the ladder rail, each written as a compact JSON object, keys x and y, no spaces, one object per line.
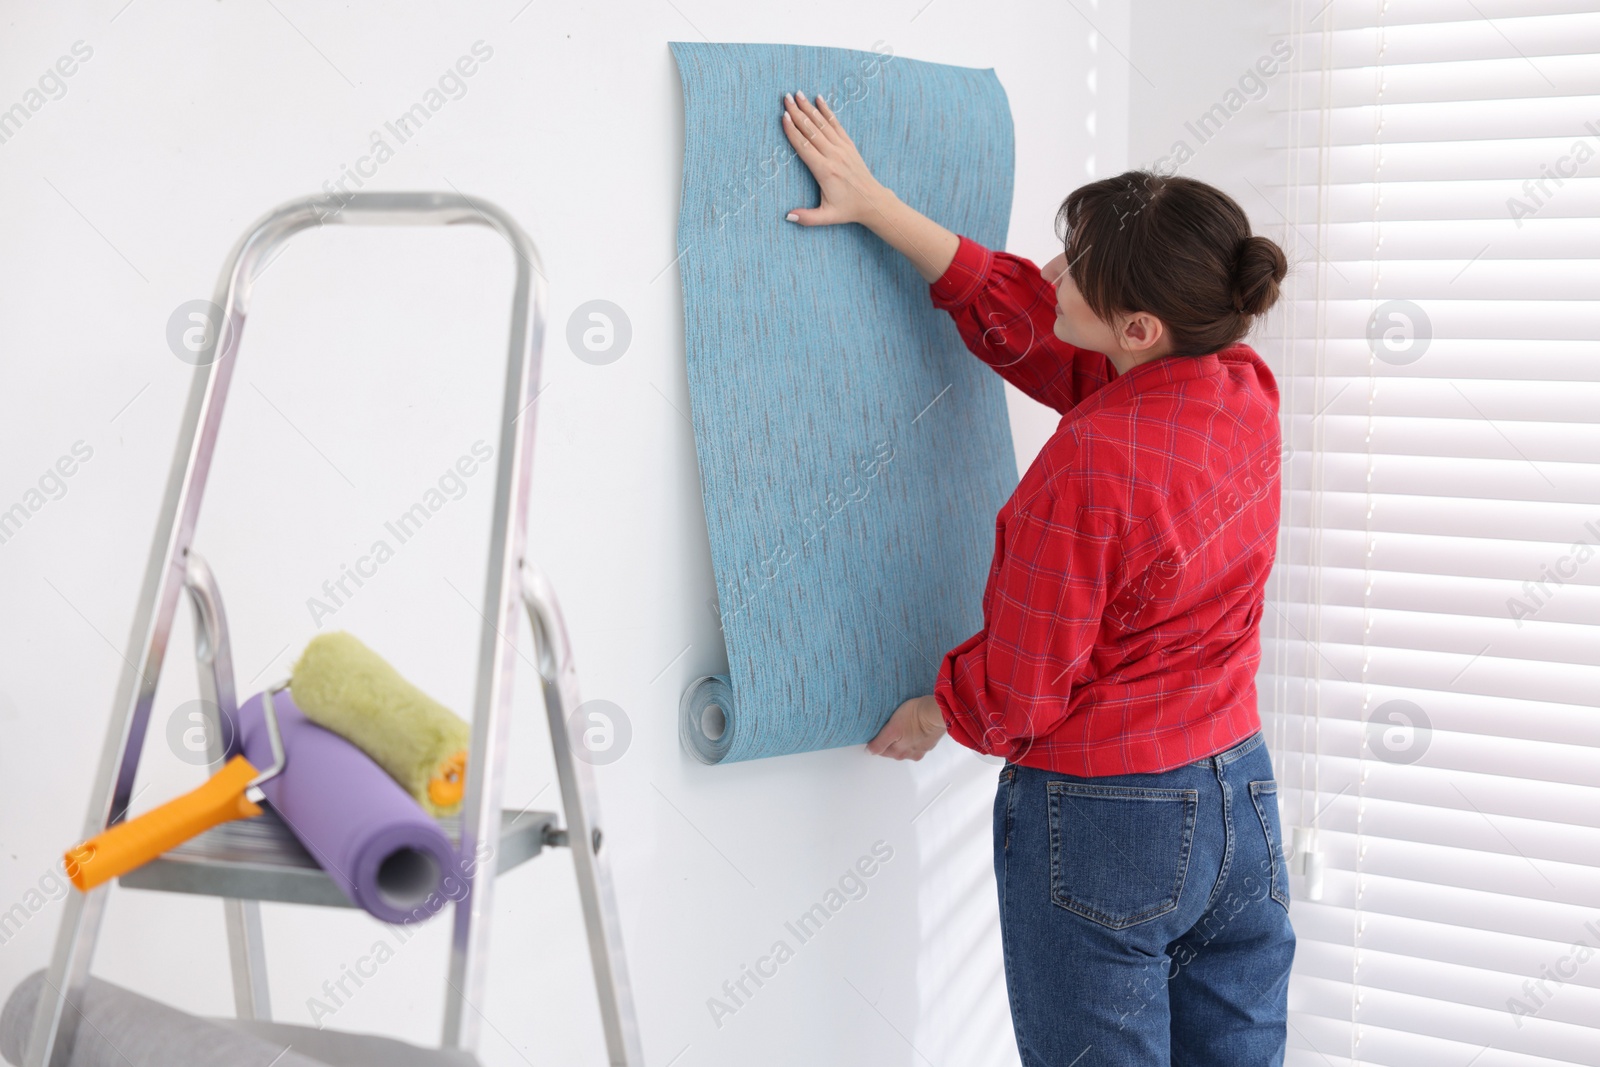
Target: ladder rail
{"x":54,"y":1026}
{"x":580,"y":802}
{"x":50,"y":1043}
{"x":213,"y":653}
{"x":497,"y":645}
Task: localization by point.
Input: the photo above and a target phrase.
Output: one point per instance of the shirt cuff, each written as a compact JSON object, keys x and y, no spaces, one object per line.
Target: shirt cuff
{"x":962,"y":727}
{"x":965,"y":276}
{"x":953,"y":724}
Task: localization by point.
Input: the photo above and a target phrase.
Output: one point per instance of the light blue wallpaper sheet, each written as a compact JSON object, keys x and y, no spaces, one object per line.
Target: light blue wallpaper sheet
{"x":852,"y":452}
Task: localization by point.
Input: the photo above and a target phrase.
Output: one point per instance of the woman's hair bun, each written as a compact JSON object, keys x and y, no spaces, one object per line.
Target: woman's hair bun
{"x":1258,"y":268}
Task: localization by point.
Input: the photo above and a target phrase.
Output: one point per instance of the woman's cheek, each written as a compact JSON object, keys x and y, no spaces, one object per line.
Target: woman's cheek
{"x":1066,"y":330}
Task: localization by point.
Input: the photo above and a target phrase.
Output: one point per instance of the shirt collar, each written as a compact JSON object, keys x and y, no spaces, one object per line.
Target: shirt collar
{"x":1153,"y":375}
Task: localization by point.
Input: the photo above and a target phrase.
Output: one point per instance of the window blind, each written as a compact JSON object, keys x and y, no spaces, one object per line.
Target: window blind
{"x":1431,"y":655}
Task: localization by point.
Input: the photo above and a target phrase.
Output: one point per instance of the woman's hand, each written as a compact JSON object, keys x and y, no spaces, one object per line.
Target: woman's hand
{"x":851,"y":194}
{"x":913,"y":729}
{"x":849,"y":191}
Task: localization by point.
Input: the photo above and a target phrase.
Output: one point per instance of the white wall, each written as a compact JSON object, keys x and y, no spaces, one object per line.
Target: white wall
{"x":1191,"y":59}
{"x":370,"y":363}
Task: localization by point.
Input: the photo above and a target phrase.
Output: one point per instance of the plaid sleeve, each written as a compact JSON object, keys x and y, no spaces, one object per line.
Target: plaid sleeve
{"x":1005,"y":311}
{"x":1055,"y":560}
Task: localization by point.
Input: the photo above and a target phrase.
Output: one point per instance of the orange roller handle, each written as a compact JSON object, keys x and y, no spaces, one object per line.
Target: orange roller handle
{"x":136,"y":842}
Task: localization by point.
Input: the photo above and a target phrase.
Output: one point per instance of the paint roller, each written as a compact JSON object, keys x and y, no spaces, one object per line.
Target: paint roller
{"x":373,"y":840}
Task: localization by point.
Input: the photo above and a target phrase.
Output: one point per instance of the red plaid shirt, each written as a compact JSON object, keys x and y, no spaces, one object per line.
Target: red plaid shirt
{"x":1122,"y":613}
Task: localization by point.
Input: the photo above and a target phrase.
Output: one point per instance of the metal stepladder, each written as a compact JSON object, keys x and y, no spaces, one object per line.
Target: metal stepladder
{"x":258,"y":859}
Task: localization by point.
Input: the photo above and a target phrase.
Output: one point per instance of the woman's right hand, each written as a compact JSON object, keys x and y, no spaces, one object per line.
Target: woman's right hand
{"x":849,"y":191}
{"x":913,"y":730}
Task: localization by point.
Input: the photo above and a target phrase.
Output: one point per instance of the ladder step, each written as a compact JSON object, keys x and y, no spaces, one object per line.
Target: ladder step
{"x":259,"y":859}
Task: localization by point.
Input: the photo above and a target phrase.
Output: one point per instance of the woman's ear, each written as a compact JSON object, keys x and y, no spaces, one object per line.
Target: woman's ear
{"x":1141,"y":332}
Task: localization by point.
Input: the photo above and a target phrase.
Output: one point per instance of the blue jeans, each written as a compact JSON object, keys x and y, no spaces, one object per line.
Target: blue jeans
{"x":1145,"y":917}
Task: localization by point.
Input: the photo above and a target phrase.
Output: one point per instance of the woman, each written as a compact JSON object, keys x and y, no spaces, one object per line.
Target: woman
{"x":1143,"y":896}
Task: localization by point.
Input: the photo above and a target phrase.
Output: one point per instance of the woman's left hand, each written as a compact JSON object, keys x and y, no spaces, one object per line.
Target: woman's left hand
{"x":849,"y":191}
{"x":913,"y":729}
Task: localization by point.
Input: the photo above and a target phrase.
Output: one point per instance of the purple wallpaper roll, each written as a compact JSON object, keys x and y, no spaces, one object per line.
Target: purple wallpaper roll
{"x":387,"y":854}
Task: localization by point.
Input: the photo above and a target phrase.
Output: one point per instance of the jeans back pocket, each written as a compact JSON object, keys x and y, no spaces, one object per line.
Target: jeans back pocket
{"x":1264,"y":795}
{"x":1119,"y":854}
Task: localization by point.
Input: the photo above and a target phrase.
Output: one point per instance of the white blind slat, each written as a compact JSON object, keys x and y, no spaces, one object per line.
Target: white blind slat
{"x":1547,"y":237}
{"x":1467,"y":120}
{"x":1459,"y":359}
{"x":1558,"y":524}
{"x":1429,"y":13}
{"x":1506,"y":77}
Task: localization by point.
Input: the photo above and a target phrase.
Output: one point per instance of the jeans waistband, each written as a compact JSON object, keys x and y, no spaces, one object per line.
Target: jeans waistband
{"x":1227,"y":756}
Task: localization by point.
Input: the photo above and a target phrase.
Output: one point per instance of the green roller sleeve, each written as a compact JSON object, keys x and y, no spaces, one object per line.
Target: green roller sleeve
{"x":344,"y":686}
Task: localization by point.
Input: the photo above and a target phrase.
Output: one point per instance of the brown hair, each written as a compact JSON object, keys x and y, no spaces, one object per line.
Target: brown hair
{"x":1174,"y":247}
